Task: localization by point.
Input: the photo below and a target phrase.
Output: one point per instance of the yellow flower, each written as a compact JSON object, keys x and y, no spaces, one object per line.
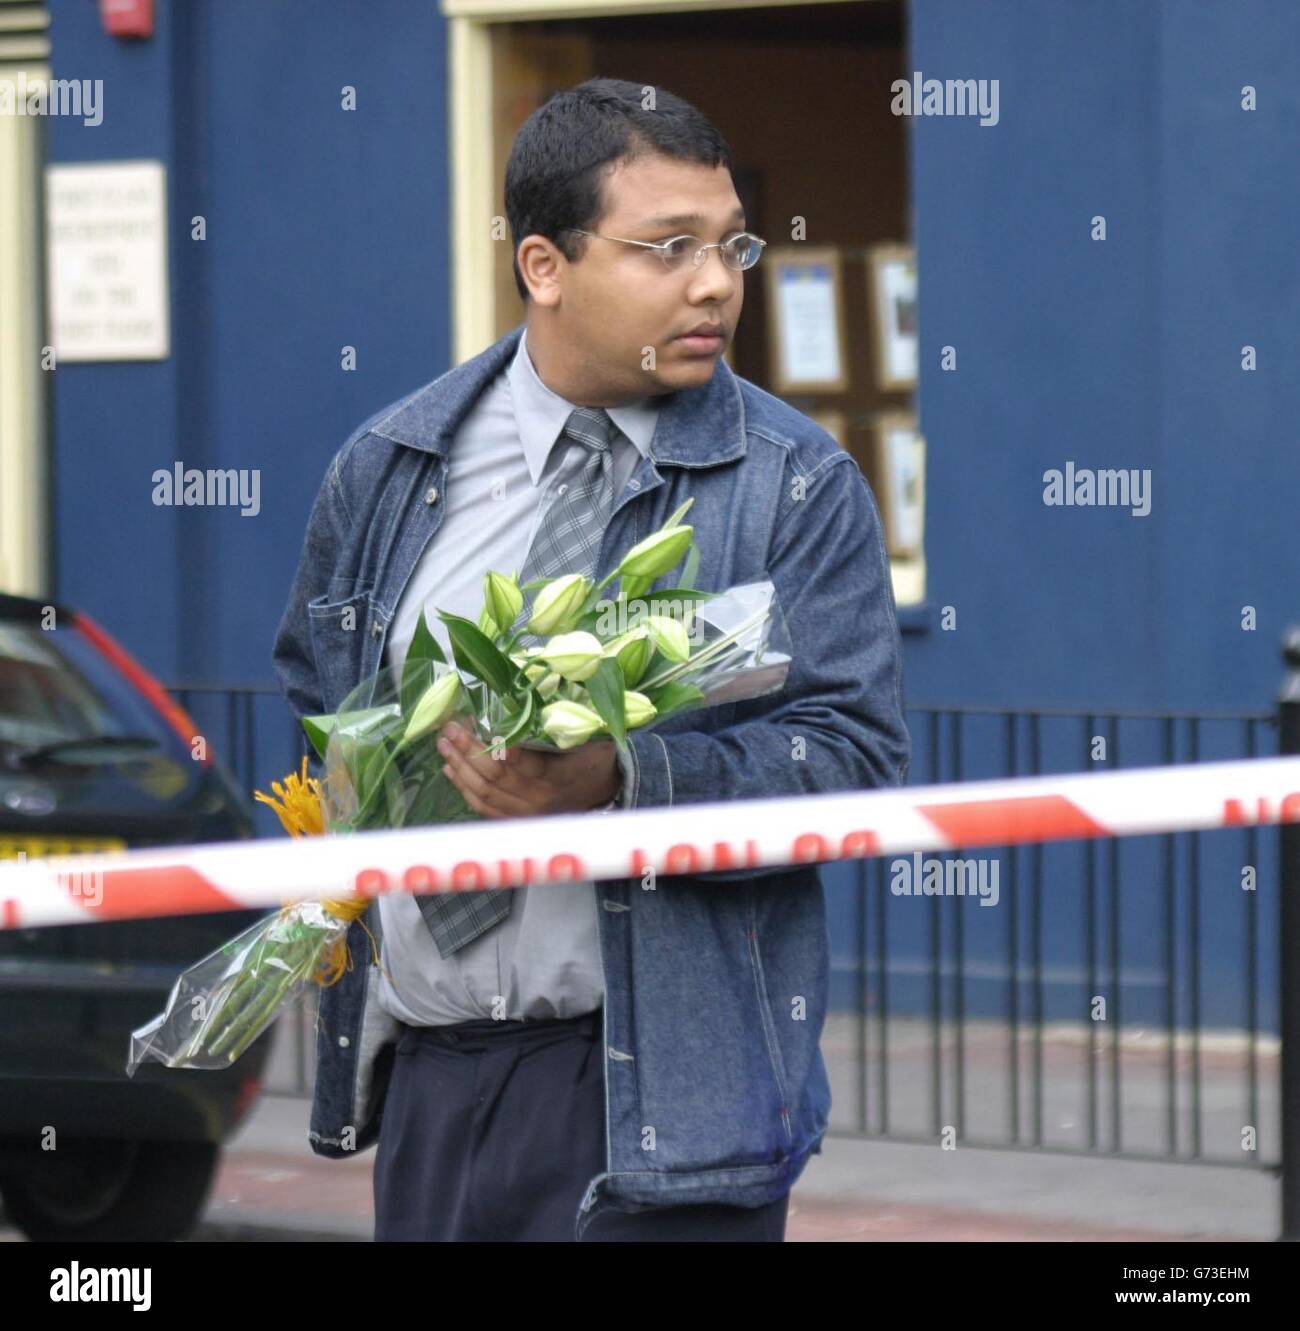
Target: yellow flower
{"x":299,"y":805}
{"x":299,"y":812}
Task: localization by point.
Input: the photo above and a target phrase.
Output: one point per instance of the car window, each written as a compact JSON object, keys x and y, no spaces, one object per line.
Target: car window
{"x":55,"y":686}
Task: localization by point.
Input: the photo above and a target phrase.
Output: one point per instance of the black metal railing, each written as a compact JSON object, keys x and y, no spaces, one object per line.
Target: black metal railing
{"x":1088,"y":1036}
{"x":1160,"y":1037}
{"x":251,"y":732}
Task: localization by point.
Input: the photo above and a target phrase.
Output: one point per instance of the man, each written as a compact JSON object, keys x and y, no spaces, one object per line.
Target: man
{"x":631,"y":1059}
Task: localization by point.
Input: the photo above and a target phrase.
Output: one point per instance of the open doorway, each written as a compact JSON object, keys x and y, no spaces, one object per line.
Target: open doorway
{"x":802,"y":94}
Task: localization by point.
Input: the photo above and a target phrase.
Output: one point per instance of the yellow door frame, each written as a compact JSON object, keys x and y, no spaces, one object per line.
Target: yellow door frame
{"x":24,"y":446}
{"x":474,"y":190}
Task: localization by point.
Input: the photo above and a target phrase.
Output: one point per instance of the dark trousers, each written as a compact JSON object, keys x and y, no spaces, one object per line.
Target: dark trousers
{"x":492,"y":1130}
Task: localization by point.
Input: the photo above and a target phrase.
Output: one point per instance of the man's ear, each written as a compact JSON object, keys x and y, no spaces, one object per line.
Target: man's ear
{"x":540,"y":263}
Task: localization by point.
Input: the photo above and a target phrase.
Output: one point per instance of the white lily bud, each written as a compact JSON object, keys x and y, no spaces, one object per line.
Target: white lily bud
{"x":637,"y":709}
{"x":556,"y":606}
{"x":658,"y":553}
{"x":669,"y":636}
{"x":502,"y":598}
{"x":633,"y":651}
{"x":438,"y":702}
{"x":576,"y":656}
{"x":570,"y":723}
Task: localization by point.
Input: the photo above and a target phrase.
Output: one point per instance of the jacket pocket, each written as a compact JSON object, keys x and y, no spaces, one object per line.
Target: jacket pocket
{"x":339,"y":624}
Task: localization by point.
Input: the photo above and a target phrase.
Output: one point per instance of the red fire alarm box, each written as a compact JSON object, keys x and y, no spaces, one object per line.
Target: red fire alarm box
{"x":127,"y":18}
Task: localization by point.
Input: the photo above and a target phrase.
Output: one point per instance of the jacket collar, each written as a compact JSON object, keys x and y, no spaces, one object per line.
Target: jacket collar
{"x":697,"y":427}
{"x":540,"y":415}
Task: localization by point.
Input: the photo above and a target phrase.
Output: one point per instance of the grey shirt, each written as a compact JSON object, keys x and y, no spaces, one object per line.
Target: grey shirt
{"x":506,"y":463}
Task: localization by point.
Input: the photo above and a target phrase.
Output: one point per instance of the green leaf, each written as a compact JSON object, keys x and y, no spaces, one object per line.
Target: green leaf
{"x":416,"y":675}
{"x":692,"y":565}
{"x":477,"y":654}
{"x":536,"y":583}
{"x":673,"y":697}
{"x":676,"y":519}
{"x":367,"y":723}
{"x":477,"y":693}
{"x":390,"y":806}
{"x":318,"y":731}
{"x":605,"y":688}
{"x":424,"y":646}
{"x":522,"y":723}
{"x":370,"y":765}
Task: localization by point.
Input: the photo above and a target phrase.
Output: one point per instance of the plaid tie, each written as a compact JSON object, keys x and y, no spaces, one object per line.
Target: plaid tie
{"x":567,"y":541}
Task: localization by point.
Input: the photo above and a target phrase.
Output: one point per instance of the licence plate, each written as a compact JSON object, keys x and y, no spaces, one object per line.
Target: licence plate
{"x":40,"y":848}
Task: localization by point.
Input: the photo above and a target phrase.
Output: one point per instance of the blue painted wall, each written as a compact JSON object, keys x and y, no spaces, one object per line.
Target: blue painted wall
{"x":325,"y":228}
{"x":329,"y":228}
{"x":1122,"y":353}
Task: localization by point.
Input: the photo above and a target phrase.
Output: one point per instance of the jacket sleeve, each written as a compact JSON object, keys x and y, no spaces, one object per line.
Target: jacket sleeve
{"x":838,"y":723}
{"x":292,"y":656}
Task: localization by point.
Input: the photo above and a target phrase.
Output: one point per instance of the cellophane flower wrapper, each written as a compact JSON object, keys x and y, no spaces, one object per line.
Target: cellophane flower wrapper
{"x":742,"y":649}
{"x":377,"y":772}
{"x":220,"y":1005}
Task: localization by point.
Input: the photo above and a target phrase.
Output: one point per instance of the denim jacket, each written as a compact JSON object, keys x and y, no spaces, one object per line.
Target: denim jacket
{"x":715,"y":985}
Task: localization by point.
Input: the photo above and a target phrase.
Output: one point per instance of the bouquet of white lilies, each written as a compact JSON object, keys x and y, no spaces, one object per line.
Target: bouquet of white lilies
{"x":582,"y":663}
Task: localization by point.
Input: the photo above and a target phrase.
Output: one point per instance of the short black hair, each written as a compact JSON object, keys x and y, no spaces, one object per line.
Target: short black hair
{"x":564,"y":150}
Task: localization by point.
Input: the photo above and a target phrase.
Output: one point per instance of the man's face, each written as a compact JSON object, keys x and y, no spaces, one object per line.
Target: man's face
{"x":618,"y":303}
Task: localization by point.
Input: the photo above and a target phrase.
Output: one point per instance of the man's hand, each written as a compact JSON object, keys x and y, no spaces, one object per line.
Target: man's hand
{"x":526,"y":783}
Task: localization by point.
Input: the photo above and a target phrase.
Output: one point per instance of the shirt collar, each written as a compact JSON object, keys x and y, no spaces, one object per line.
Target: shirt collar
{"x":540,"y":414}
{"x":704,"y":426}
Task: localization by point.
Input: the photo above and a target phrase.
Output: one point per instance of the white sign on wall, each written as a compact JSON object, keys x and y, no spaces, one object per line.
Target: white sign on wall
{"x":106,"y":226}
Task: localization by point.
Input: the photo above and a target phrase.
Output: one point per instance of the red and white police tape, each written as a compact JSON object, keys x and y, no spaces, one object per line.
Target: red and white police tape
{"x":679,"y":839}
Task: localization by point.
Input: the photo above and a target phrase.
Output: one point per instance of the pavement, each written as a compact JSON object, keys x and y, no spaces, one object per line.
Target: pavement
{"x":853,"y":1192}
{"x":858,"y":1189}
{"x":271,"y":1187}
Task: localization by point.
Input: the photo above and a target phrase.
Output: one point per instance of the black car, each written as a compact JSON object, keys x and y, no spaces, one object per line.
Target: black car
{"x":94,"y":754}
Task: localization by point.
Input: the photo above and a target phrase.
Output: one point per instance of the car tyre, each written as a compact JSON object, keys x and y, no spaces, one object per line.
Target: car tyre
{"x":119,"y":1191}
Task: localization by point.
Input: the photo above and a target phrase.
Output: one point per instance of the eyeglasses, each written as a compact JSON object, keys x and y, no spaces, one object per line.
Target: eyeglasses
{"x":740,"y":251}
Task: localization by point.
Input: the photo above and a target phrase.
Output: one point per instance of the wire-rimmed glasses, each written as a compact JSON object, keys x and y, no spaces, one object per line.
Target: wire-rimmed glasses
{"x":740,"y":251}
